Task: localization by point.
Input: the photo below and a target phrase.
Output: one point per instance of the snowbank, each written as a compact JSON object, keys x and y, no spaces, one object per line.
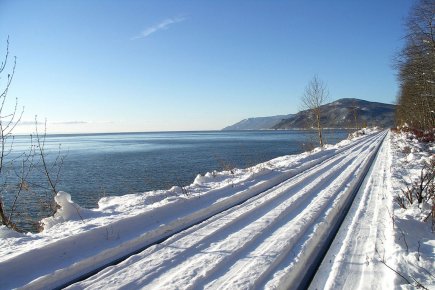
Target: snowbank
{"x":414,"y":253}
{"x":68,"y":211}
{"x":362,"y":132}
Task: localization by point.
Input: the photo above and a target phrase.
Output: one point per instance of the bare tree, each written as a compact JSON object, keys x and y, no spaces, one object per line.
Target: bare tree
{"x":416,"y":69}
{"x":315,"y":95}
{"x":27,"y":178}
{"x":8,"y":121}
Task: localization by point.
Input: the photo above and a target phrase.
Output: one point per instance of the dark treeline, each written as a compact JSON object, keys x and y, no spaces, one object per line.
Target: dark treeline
{"x":416,"y":69}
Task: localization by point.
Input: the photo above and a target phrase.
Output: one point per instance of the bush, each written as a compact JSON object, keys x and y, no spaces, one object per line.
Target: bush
{"x":420,"y":190}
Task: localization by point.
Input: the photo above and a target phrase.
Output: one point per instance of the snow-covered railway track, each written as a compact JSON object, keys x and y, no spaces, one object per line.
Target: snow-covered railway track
{"x":268,"y":240}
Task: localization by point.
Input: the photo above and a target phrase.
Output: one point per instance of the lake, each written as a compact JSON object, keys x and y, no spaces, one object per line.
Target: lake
{"x":99,"y":165}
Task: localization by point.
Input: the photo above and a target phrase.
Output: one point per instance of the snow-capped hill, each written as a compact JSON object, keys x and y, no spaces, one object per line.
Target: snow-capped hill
{"x":342,"y":114}
{"x":259,"y":123}
{"x":338,"y":114}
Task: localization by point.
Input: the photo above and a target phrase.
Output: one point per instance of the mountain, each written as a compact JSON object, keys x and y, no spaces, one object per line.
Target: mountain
{"x":338,"y":114}
{"x":259,"y":123}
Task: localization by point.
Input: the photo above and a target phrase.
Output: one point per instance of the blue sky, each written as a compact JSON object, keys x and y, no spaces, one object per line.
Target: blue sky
{"x":101,"y":66}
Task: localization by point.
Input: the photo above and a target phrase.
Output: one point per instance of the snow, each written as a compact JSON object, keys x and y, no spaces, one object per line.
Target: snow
{"x":6,"y":233}
{"x":350,"y":262}
{"x":362,"y":132}
{"x":414,"y":251}
{"x":255,"y":237}
{"x":378,"y":238}
{"x":68,"y":211}
{"x":246,"y":228}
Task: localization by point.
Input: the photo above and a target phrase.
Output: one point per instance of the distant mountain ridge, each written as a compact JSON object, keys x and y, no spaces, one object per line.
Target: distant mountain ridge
{"x":258,"y":123}
{"x":338,"y":114}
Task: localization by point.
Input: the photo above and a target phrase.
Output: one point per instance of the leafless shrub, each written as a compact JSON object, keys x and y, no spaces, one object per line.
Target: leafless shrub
{"x":225,"y":165}
{"x":400,"y":201}
{"x":420,"y":190}
{"x":20,"y":191}
{"x":382,"y":259}
{"x":51,"y":170}
{"x":406,"y":150}
{"x":408,"y":193}
{"x":184,"y":190}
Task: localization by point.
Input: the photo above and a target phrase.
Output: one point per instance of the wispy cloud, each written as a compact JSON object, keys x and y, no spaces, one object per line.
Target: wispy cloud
{"x":159,"y":26}
{"x":70,"y":122}
{"x":32,"y":123}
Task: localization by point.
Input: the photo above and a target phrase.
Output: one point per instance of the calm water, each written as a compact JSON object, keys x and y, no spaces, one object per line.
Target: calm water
{"x":116,"y":164}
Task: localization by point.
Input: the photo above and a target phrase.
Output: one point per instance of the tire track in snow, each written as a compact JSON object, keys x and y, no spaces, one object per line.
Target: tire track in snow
{"x":209,"y":225}
{"x":201,"y":243}
{"x":213,"y":218}
{"x":234,"y":246}
{"x":286,"y":239}
{"x":350,"y":263}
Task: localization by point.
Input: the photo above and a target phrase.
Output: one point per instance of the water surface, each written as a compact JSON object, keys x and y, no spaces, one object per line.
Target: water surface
{"x":99,"y":165}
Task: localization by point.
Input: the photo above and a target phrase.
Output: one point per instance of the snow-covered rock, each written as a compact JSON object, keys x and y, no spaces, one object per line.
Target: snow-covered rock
{"x":68,"y":211}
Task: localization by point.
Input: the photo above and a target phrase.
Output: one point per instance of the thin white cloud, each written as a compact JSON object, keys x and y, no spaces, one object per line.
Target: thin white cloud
{"x":70,"y":122}
{"x":40,"y":123}
{"x":159,"y":26}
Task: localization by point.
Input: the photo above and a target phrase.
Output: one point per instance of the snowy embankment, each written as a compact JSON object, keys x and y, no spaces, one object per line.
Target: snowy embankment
{"x":76,"y":240}
{"x":414,"y":236}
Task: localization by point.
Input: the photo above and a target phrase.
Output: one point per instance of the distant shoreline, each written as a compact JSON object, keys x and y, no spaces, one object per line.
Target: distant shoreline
{"x":187,"y":131}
